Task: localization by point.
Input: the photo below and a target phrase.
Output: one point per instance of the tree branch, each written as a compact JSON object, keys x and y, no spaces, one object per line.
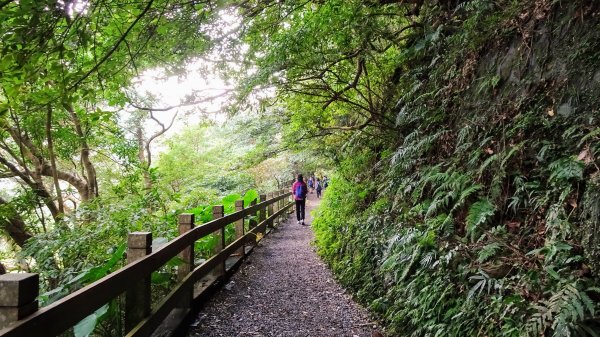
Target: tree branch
{"x":156,"y":135}
{"x":114,"y":48}
{"x":181,"y":105}
{"x":336,"y":95}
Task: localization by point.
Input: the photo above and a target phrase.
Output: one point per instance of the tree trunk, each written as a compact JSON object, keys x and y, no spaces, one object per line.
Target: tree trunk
{"x":59,"y":197}
{"x":90,"y":171}
{"x":139,"y":135}
{"x":35,"y":184}
{"x":13,"y":224}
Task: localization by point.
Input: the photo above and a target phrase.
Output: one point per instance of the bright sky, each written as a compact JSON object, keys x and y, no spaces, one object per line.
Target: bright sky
{"x":199,"y":84}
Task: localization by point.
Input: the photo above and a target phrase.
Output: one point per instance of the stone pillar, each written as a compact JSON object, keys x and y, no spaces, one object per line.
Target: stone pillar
{"x":18,"y":297}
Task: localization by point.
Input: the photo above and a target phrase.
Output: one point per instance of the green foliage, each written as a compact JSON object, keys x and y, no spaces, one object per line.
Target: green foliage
{"x":483,"y":183}
{"x":566,"y":313}
{"x":479,"y":214}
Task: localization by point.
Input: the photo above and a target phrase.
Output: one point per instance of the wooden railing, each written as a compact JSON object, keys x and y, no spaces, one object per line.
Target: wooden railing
{"x":20,"y":317}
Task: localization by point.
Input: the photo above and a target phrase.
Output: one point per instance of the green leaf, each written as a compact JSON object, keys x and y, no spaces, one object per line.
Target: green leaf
{"x":87,"y":325}
{"x":250,"y":196}
{"x":479,"y":214}
{"x":160,"y":278}
{"x":565,"y":169}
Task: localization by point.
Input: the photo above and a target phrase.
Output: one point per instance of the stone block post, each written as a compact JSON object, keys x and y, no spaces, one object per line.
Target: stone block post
{"x":18,"y":297}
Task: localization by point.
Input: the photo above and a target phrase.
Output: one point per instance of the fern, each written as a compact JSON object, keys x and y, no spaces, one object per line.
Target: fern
{"x":484,"y":283}
{"x":564,"y":314}
{"x":565,"y":169}
{"x":479,"y":214}
{"x":488,"y":251}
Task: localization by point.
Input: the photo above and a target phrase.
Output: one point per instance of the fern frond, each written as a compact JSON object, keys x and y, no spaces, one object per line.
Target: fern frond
{"x":479,"y":213}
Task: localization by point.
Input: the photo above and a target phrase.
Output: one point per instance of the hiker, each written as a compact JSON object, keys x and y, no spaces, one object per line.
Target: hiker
{"x":318,"y":187}
{"x":299,"y":190}
{"x":325,"y":182}
{"x":310,"y":184}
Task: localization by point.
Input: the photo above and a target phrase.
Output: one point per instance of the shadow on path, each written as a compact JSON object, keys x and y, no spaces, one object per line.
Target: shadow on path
{"x":283,"y":289}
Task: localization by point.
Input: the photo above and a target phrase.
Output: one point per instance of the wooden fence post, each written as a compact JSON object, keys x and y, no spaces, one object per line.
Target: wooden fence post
{"x":293,"y":201}
{"x":263,"y":212}
{"x":282,"y":216}
{"x":138,"y":296}
{"x":186,"y":223}
{"x":218,"y":212}
{"x":270,"y":209}
{"x":18,"y":297}
{"x":253,"y":222}
{"x":276,"y":208}
{"x":239,"y":226}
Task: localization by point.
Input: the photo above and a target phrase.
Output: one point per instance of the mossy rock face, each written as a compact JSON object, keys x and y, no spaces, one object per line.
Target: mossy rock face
{"x":590,"y":229}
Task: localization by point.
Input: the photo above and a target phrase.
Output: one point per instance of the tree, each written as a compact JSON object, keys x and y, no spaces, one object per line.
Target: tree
{"x":64,"y":66}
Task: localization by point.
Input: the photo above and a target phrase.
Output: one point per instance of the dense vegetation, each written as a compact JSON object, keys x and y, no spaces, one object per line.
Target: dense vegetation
{"x":476,"y":212}
{"x":463,"y":135}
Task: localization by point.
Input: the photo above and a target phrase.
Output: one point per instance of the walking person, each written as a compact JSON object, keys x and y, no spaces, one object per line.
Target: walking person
{"x":311,"y":182}
{"x":299,"y":189}
{"x":318,"y":187}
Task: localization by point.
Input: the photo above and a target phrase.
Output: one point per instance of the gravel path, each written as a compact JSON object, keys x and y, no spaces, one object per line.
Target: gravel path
{"x":283,"y":289}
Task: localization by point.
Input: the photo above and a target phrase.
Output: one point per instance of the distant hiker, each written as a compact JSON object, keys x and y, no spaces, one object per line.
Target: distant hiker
{"x":310,"y":184}
{"x":325,"y":182}
{"x":318,"y":187}
{"x":299,"y":190}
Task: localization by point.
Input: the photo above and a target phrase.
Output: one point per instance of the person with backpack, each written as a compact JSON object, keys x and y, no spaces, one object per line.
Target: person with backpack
{"x":299,"y":189}
{"x":318,"y":187}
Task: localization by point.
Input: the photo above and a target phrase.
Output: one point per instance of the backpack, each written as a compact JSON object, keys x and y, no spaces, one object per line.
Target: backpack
{"x":300,"y":191}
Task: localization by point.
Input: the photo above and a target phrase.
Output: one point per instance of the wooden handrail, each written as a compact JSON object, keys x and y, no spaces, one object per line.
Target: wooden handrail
{"x":68,"y":311}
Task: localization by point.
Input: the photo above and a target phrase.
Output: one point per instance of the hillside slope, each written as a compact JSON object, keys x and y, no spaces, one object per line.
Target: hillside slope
{"x":478,"y":215}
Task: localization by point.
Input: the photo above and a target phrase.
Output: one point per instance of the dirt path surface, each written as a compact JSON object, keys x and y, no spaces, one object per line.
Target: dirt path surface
{"x":283,"y":290}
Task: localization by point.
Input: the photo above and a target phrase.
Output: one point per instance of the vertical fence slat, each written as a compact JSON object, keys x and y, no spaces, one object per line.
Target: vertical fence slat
{"x":186,"y":223}
{"x":218,"y":212}
{"x":239,"y":226}
{"x":263,"y":212}
{"x":276,"y":208}
{"x":262,"y":216}
{"x":138,"y":296}
{"x":270,"y":209}
{"x":18,"y":297}
{"x":281,"y":216}
{"x":252,"y":222}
